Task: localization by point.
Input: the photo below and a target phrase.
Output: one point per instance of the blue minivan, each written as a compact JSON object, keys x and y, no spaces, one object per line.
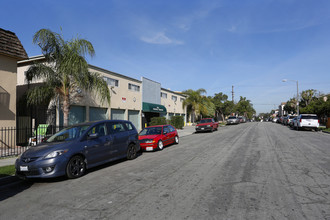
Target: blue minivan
{"x":79,"y":147}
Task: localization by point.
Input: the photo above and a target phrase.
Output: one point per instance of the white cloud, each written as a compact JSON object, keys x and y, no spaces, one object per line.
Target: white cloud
{"x":160,"y":38}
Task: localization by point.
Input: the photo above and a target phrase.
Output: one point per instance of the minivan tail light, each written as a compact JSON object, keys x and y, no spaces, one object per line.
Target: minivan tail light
{"x":300,"y":120}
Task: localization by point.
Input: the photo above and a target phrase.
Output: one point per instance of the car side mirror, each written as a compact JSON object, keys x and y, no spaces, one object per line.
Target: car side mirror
{"x":164,"y":132}
{"x":93,"y":136}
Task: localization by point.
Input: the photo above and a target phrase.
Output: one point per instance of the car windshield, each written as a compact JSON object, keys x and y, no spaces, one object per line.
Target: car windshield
{"x":206,"y":121}
{"x":232,"y":117}
{"x":151,"y":131}
{"x":68,"y":134}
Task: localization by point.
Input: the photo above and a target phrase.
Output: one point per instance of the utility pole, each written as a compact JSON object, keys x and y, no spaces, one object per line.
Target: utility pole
{"x":232,"y":93}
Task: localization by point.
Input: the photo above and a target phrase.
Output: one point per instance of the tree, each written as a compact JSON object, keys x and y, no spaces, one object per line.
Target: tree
{"x":65,"y":71}
{"x":194,"y":102}
{"x":245,"y":108}
{"x":307,"y":96}
{"x":291,"y":106}
{"x":208,"y":107}
{"x":220,"y":102}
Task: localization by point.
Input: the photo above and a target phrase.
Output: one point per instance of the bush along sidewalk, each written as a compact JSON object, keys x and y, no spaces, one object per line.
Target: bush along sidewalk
{"x":176,"y":121}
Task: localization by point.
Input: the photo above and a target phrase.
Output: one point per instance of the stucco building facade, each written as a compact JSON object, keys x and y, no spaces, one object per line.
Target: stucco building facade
{"x":11,"y":51}
{"x":131,"y":99}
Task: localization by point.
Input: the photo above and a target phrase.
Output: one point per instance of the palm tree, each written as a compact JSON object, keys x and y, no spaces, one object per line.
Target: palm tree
{"x":194,"y":102}
{"x":65,"y":71}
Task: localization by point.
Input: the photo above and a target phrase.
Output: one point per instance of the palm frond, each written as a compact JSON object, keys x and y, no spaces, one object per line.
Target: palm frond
{"x":39,"y":71}
{"x":40,"y":95}
{"x":51,"y":43}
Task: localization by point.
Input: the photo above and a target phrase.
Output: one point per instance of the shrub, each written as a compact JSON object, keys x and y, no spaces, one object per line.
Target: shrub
{"x":158,"y":121}
{"x":177,"y":122}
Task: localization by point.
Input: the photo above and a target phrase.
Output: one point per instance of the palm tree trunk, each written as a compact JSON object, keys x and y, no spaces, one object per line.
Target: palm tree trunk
{"x":66,"y":110}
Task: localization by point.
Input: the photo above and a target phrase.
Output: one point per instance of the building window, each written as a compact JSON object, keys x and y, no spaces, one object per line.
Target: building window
{"x":163,"y":95}
{"x":181,"y":99}
{"x":111,"y":82}
{"x":133,"y":87}
{"x":174,"y":98}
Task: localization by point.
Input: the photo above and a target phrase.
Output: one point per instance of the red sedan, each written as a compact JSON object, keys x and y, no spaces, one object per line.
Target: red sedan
{"x":156,"y":137}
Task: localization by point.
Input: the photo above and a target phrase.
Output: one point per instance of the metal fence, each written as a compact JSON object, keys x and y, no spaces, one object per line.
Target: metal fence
{"x":15,"y":141}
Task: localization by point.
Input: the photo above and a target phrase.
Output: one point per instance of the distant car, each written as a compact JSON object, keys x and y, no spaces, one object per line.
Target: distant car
{"x":307,"y":121}
{"x":156,"y":137}
{"x":275,"y":119}
{"x":242,"y":119}
{"x":74,"y":149}
{"x":207,"y":124}
{"x":284,"y":120}
{"x":289,"y":119}
{"x":292,"y":122}
{"x":233,"y":120}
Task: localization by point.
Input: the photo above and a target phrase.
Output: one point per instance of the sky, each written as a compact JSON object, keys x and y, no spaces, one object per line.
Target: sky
{"x":191,"y":44}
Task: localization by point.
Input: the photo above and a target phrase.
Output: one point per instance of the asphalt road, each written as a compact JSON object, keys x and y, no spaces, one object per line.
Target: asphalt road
{"x":247,"y":171}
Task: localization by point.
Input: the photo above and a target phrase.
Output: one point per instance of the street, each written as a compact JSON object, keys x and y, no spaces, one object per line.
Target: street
{"x":246,"y":171}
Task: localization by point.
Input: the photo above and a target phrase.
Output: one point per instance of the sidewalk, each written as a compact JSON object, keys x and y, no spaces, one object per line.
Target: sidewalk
{"x":187,"y":130}
{"x":7,"y":161}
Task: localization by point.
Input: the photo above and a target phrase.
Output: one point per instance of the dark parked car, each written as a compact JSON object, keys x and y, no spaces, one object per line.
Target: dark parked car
{"x":74,"y":149}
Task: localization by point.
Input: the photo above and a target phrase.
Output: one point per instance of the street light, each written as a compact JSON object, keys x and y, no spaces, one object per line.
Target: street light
{"x":285,"y":80}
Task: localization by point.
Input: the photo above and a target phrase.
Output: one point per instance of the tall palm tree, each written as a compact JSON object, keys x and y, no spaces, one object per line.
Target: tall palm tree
{"x":65,"y":71}
{"x":194,"y":102}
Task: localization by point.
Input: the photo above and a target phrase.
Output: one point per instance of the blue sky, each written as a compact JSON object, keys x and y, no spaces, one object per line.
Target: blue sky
{"x":191,"y":44}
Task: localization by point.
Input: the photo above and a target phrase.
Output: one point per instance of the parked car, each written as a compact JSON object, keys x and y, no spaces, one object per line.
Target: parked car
{"x":285,"y":120}
{"x":233,"y":120}
{"x":289,"y":119}
{"x":275,"y":119}
{"x":308,"y":121}
{"x":207,"y":124}
{"x":291,"y":123}
{"x":79,"y":147}
{"x":156,"y":137}
{"x":242,"y":119}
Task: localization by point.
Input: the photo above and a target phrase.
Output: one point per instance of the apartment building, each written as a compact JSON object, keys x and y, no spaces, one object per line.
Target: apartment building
{"x":131,"y":99}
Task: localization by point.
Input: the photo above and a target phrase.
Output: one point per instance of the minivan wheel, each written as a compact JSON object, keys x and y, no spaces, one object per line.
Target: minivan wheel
{"x":131,"y":152}
{"x":160,"y":145}
{"x":76,"y":167}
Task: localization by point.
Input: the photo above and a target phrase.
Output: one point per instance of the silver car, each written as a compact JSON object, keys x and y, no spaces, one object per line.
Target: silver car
{"x":233,"y":120}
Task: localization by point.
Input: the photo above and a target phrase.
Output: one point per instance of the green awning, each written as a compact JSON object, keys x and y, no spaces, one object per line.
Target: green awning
{"x":150,"y":107}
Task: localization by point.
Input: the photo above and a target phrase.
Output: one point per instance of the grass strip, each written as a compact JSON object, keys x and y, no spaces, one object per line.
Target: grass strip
{"x":7,"y":170}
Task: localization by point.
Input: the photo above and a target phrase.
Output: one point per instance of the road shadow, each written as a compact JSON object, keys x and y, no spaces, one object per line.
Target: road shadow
{"x":12,"y":187}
